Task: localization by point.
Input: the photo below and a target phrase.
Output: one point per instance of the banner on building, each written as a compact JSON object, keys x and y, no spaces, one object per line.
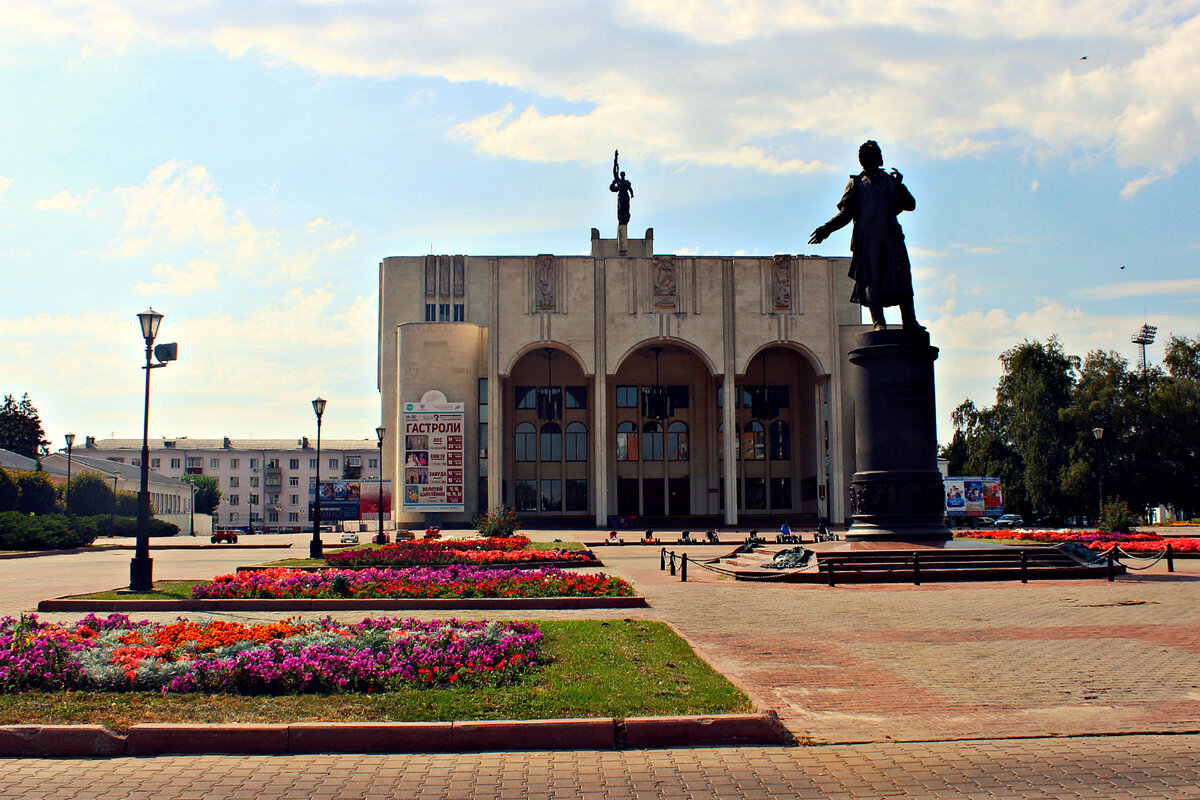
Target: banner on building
{"x":368,"y":505}
{"x":432,"y":470}
{"x":973,"y":497}
{"x":956,"y":499}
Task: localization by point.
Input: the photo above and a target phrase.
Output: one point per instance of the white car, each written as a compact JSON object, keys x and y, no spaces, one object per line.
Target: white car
{"x":349,"y":538}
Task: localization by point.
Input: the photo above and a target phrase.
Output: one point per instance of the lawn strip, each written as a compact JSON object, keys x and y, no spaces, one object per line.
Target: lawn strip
{"x":597,"y":668}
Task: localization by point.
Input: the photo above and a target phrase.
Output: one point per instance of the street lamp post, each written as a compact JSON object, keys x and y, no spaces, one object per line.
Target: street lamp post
{"x":1099,"y":434}
{"x":70,"y":444}
{"x":380,"y":432}
{"x":314,"y":547}
{"x":141,"y":566}
{"x":192,"y":510}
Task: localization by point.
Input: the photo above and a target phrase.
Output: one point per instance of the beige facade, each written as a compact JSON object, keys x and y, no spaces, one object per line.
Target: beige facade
{"x":592,"y":335}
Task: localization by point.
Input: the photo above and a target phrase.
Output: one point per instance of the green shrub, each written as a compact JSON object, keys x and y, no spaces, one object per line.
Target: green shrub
{"x":47,"y":532}
{"x":1115,"y":517}
{"x":9,"y":495}
{"x":500,"y":522}
{"x":91,"y":494}
{"x":36,"y":494}
{"x":127,"y":526}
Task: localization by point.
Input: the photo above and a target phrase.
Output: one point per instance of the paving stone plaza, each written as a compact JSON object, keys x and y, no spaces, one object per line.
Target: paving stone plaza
{"x":1051,"y":689}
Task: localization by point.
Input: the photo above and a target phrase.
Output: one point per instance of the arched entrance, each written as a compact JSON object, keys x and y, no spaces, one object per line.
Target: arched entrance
{"x":548,"y":457}
{"x":661,"y":406}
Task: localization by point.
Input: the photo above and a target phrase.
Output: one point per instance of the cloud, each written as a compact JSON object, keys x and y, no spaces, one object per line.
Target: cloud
{"x":778,"y":87}
{"x":5,"y":183}
{"x":317,"y":224}
{"x":63,"y":201}
{"x":197,"y":275}
{"x":1168,"y":288}
{"x":1034,"y":185}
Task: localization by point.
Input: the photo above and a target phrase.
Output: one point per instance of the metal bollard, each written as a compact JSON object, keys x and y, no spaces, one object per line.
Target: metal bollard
{"x":830,"y":565}
{"x":662,"y":559}
{"x":916,"y":569}
{"x":683,"y":570}
{"x":1024,"y":567}
{"x":672,"y":562}
{"x":1112,"y":564}
{"x":1170,"y":559}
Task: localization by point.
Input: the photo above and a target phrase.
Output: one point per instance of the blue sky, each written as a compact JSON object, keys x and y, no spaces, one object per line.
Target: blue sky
{"x":243,"y":167}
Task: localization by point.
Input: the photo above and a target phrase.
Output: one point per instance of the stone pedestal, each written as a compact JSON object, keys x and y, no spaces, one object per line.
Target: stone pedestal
{"x":897,"y":493}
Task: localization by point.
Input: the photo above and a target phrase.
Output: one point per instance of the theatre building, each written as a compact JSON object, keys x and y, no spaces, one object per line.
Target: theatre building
{"x":620,"y":383}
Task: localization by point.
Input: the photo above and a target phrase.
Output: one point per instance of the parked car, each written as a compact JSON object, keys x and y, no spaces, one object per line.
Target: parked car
{"x":985,"y":522}
{"x":1010,"y":521}
{"x":349,"y":537}
{"x":224,"y":536}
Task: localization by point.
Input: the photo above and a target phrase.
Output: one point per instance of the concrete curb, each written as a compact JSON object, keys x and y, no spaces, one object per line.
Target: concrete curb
{"x":351,"y":604}
{"x":503,"y":565}
{"x":602,"y":733}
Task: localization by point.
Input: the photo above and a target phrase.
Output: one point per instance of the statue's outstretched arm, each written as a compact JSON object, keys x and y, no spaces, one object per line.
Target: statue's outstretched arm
{"x":840,"y":220}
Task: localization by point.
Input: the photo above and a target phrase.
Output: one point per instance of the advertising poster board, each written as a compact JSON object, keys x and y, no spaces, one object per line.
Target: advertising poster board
{"x":956,"y":499}
{"x":973,"y":492}
{"x":432,"y":468}
{"x":342,"y":501}
{"x":368,"y":508}
{"x":993,"y":502}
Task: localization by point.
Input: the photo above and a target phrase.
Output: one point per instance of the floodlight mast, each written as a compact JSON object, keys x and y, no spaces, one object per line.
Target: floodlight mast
{"x":1144,"y":336}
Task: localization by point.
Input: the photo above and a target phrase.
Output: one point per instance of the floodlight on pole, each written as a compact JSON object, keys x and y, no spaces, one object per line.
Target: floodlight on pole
{"x":1144,"y":336}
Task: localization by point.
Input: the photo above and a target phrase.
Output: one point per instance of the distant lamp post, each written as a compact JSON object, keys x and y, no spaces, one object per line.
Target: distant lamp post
{"x":192,"y":509}
{"x":141,"y":577}
{"x":1099,"y":434}
{"x":314,"y":547}
{"x":380,"y":432}
{"x":70,"y":444}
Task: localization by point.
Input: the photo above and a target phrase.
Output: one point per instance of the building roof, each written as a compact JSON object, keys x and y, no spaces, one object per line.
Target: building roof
{"x":11,"y":460}
{"x":56,"y":464}
{"x":184,"y":443}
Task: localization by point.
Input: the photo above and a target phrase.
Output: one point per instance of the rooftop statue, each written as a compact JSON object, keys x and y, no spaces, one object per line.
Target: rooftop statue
{"x":879,"y":259}
{"x":624,"y":190}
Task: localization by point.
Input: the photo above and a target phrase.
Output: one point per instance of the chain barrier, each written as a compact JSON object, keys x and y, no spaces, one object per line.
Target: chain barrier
{"x":1153,"y":560}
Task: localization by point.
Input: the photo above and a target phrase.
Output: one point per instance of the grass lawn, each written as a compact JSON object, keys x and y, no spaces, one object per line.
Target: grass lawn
{"x":614,"y":668}
{"x":163,"y":590}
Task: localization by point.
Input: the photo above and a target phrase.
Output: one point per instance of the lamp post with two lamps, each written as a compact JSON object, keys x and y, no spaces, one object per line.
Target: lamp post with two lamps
{"x":141,"y":577}
{"x":67,"y":495}
{"x":314,"y":547}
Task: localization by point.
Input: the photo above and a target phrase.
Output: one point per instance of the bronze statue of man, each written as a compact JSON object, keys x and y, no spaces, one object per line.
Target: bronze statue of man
{"x":879,"y":259}
{"x":624,"y":190}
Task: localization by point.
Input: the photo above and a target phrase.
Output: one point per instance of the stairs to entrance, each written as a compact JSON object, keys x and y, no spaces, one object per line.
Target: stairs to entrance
{"x":911,"y":564}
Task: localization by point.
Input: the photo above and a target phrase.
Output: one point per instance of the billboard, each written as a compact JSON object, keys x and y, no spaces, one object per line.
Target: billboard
{"x":432,"y":470}
{"x":973,"y":497}
{"x":349,"y":500}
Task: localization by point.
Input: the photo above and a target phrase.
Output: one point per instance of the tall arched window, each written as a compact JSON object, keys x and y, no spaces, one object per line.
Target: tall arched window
{"x":652,"y":442}
{"x":737,"y":449}
{"x":781,"y":441}
{"x":627,"y":442}
{"x":525,"y":442}
{"x":754,"y":441}
{"x":677,"y":441}
{"x":551,"y":442}
{"x":576,"y":441}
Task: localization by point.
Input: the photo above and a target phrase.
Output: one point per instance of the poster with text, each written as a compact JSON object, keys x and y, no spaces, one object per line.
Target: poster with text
{"x":993,"y":501}
{"x":973,"y":492}
{"x":956,"y":499}
{"x":433,"y":454}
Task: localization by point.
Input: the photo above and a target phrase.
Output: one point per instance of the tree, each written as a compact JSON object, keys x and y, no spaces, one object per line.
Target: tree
{"x":36,"y":494}
{"x":91,"y":494}
{"x":208,"y":496}
{"x":20,"y":429}
{"x":1182,"y":358}
{"x":9,"y":494}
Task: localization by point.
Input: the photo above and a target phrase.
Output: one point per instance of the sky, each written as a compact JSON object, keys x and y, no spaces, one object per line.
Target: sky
{"x":243,"y":168}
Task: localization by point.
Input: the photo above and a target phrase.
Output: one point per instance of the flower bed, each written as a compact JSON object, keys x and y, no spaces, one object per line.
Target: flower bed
{"x":412,"y":582}
{"x":289,"y":657}
{"x":481,"y":552}
{"x":1138,"y":542}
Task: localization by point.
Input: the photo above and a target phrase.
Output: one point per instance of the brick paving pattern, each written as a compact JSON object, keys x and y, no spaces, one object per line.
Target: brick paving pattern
{"x":883,"y":678}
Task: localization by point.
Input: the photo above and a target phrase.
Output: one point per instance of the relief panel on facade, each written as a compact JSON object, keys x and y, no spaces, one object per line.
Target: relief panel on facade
{"x":460,"y":278}
{"x":781,"y":283}
{"x":665,"y":282}
{"x":444,"y":276}
{"x":430,"y":276}
{"x":544,"y":296}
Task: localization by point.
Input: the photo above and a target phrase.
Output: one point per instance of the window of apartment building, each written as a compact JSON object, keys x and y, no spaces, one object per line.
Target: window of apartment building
{"x":234,"y":463}
{"x":253,"y":500}
{"x":430,"y":312}
{"x":254,"y":480}
{"x":372,"y":463}
{"x":312,"y":463}
{"x":234,"y":517}
{"x":483,"y":419}
{"x":272,"y":516}
{"x":174,"y":463}
{"x":443,"y":312}
{"x":136,"y":462}
{"x":272,"y":463}
{"x":293,"y":481}
{"x":235,"y":499}
{"x":234,"y":481}
{"x":254,"y":517}
{"x":272,"y":499}
{"x":195,"y":462}
{"x":254,"y":463}
{"x":294,"y":499}
{"x":155,"y":463}
{"x":627,"y":396}
{"x":293,"y":516}
{"x":294,"y":463}
{"x":214,"y":463}
{"x":333,"y":463}
{"x":460,"y":312}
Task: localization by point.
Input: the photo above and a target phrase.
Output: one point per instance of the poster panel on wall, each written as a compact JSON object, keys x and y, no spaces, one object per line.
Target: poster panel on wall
{"x":956,"y":500}
{"x":993,"y":500}
{"x":973,"y":492}
{"x":369,"y":500}
{"x":433,"y":454}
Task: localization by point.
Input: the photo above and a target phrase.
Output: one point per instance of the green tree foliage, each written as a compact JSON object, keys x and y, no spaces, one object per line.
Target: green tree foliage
{"x":9,"y":494}
{"x":208,"y":496}
{"x":1038,"y":437}
{"x":20,"y":428}
{"x":127,"y":503}
{"x":36,"y":494}
{"x":91,"y":494}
